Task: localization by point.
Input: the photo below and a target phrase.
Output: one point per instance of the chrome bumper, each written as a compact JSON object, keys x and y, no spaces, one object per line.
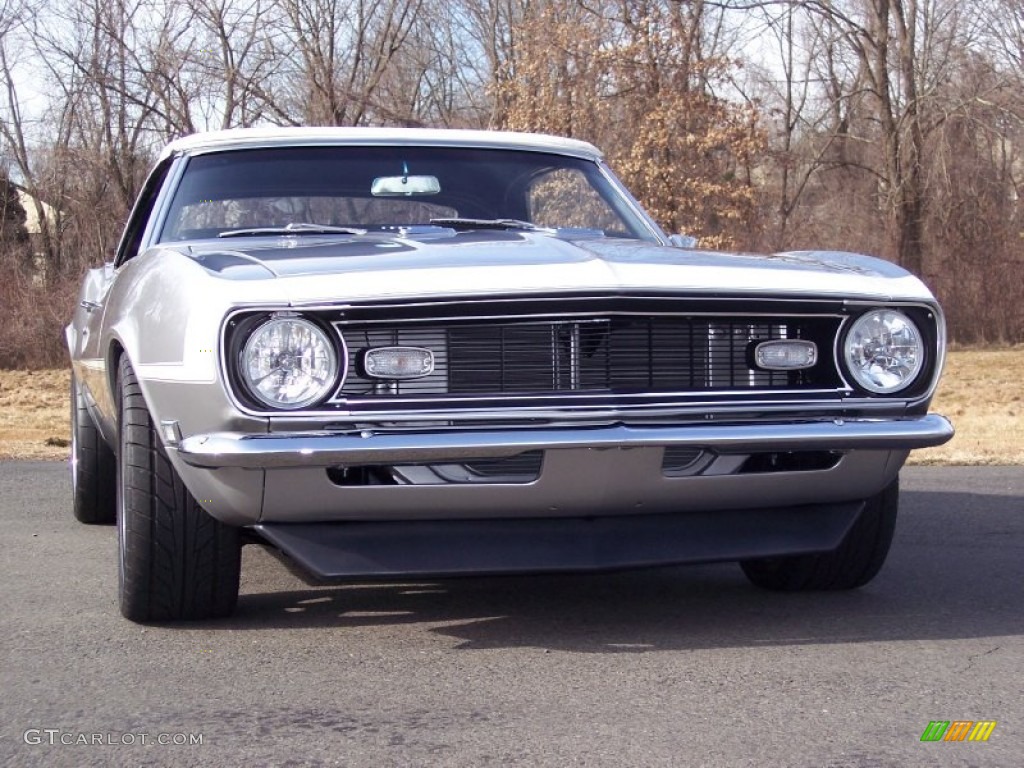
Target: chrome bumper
{"x":324,"y":449}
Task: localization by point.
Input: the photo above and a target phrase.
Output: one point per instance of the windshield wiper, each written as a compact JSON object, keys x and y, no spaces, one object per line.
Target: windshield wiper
{"x":295,"y":228}
{"x":489,"y":224}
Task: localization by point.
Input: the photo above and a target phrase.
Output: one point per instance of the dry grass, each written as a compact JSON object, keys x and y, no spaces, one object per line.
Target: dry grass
{"x":34,"y":414}
{"x":982,"y":392}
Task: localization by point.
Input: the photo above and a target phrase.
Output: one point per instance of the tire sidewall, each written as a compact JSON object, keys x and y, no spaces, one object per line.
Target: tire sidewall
{"x":93,"y":467}
{"x":76,"y":441}
{"x":122,"y":518}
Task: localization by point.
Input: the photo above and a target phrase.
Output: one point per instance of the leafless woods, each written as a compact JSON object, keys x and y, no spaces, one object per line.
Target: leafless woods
{"x":893,"y":127}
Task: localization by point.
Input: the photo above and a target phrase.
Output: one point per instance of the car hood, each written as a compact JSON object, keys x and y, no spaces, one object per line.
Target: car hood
{"x":328,"y":268}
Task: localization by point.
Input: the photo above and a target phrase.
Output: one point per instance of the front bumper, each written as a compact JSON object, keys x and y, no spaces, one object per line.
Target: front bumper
{"x":587,"y":471}
{"x":368,"y":447}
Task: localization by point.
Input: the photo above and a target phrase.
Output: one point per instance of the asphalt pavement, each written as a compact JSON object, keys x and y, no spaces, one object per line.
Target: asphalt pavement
{"x":672,"y":667}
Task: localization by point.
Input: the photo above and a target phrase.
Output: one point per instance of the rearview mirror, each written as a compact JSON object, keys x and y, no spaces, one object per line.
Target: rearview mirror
{"x":405,"y":186}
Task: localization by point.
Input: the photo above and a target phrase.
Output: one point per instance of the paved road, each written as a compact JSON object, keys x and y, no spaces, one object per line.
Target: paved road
{"x":676,"y":667}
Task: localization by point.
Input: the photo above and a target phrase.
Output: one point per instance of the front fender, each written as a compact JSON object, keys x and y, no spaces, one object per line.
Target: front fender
{"x":164,"y":312}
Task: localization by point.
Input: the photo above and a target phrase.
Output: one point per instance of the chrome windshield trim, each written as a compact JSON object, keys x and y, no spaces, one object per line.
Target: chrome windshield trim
{"x":313,"y":449}
{"x":162,"y":205}
{"x":632,"y":203}
{"x":278,"y":137}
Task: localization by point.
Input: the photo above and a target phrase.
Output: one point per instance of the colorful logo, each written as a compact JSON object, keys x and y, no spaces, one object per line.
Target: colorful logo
{"x":958,"y":730}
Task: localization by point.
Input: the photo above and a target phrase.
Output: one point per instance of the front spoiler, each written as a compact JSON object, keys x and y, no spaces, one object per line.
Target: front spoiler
{"x":436,"y":548}
{"x":321,"y":449}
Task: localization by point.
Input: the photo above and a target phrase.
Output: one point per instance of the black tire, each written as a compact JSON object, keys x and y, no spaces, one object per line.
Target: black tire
{"x":853,"y":564}
{"x":93,"y":469}
{"x":176,"y":561}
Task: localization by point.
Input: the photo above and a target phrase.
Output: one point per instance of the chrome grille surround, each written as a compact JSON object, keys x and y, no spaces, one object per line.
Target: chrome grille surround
{"x":823,"y":388}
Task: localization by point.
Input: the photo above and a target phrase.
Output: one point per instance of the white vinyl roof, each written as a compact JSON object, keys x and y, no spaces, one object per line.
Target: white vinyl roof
{"x":242,"y":138}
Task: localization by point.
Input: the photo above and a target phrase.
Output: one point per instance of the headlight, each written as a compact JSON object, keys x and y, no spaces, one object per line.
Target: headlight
{"x":289,"y":363}
{"x":884,"y":351}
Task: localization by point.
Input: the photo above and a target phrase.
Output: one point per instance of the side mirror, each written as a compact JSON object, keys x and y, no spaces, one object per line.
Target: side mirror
{"x":683,"y":241}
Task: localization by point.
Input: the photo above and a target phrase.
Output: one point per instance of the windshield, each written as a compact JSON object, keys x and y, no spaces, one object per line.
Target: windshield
{"x":387,"y":188}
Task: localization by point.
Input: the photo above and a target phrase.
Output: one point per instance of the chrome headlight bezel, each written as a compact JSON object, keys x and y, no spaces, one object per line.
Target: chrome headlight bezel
{"x":885,"y":351}
{"x":327,"y":346}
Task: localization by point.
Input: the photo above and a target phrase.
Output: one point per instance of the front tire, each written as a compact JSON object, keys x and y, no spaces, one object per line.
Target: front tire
{"x":176,"y":561}
{"x":93,"y":468}
{"x":852,"y":564}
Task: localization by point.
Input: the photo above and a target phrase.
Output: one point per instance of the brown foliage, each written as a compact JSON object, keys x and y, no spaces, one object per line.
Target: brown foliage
{"x":629,"y":78}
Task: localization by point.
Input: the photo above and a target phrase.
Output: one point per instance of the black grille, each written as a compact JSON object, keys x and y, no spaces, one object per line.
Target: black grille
{"x":616,"y":355}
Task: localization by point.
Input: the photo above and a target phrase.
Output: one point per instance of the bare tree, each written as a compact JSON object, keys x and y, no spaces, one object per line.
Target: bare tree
{"x":240,"y":56}
{"x":346,"y":51}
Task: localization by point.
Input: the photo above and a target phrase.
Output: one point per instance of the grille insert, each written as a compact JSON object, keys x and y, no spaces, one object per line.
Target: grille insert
{"x":614,"y":355}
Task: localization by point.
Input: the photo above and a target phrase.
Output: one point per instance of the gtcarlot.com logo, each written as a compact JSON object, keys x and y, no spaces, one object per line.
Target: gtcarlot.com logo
{"x":958,"y":730}
{"x":56,"y":736}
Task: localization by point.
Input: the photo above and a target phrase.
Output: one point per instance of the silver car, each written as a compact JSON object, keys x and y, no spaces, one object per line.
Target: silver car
{"x":413,"y":353}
